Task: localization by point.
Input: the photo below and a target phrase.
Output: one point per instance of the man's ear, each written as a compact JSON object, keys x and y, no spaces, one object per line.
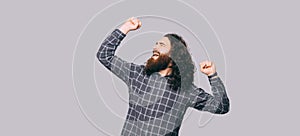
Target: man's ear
{"x":170,"y":64}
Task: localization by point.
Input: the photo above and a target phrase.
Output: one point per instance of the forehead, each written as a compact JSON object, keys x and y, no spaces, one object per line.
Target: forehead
{"x":165,"y":40}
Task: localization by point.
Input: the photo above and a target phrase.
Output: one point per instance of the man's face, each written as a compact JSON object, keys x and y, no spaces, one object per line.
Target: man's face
{"x":160,"y":58}
{"x":161,"y":47}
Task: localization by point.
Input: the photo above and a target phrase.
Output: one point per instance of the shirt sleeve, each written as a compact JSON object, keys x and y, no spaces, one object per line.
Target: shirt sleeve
{"x":106,"y":55}
{"x":217,"y":103}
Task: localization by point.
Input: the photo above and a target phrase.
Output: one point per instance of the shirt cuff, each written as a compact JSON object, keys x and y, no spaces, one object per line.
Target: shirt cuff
{"x":213,"y":75}
{"x":214,"y":79}
{"x":118,"y":34}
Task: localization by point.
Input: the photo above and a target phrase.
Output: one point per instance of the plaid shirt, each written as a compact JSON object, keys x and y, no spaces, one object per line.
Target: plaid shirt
{"x":154,"y":107}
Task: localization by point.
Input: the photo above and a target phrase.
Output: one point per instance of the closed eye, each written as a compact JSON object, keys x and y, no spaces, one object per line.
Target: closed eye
{"x":160,"y":43}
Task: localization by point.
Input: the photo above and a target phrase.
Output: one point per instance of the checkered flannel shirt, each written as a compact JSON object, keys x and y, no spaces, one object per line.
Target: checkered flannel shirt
{"x":154,"y":107}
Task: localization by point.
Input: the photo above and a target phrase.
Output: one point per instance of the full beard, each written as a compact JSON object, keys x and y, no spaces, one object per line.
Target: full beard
{"x":155,"y":65}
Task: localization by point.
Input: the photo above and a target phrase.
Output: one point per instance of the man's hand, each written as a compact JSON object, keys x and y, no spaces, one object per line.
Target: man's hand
{"x":130,"y":25}
{"x":207,"y":67}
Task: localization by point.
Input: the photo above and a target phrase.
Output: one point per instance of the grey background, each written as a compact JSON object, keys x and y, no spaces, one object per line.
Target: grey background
{"x":107,"y":101}
{"x":259,"y":38}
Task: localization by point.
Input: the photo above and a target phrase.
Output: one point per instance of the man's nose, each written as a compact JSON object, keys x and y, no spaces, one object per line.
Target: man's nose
{"x":155,"y":47}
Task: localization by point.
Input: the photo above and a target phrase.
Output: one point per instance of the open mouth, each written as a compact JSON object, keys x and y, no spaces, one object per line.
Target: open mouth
{"x":155,"y":54}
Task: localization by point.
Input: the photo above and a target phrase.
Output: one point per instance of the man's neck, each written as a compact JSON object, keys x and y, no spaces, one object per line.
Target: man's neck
{"x":165,"y":72}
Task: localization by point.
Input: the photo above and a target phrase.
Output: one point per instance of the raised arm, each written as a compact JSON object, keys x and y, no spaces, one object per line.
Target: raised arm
{"x":106,"y":53}
{"x":217,"y":103}
{"x":108,"y":47}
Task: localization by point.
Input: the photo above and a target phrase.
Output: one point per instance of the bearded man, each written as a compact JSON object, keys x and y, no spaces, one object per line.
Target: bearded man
{"x":161,"y":91}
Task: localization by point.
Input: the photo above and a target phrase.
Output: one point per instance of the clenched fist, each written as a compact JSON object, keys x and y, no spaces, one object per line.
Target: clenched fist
{"x":207,"y":67}
{"x":130,"y":24}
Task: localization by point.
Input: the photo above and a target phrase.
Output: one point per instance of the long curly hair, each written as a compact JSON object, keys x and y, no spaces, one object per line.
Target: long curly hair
{"x":183,"y":67}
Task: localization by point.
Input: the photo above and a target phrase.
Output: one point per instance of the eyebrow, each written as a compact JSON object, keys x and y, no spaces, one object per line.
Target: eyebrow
{"x":161,"y":43}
